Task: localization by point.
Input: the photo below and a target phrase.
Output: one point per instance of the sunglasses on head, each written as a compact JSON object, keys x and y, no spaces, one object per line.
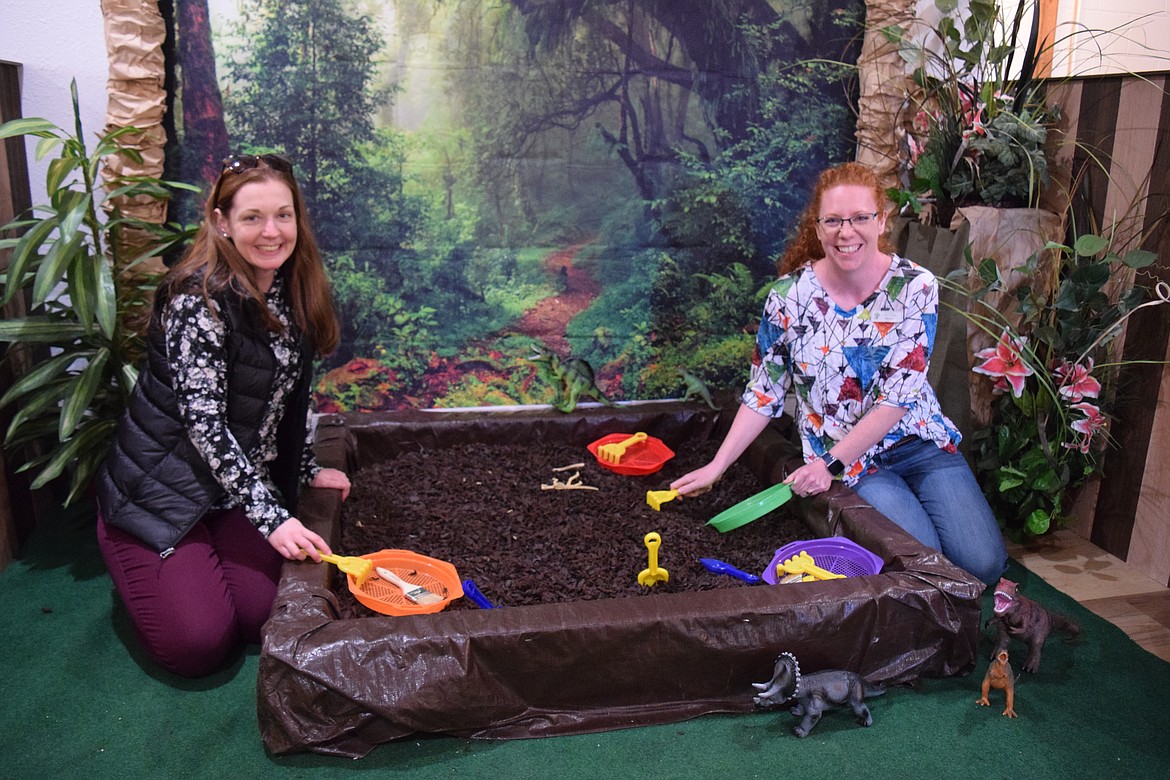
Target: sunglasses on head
{"x":238,"y":163}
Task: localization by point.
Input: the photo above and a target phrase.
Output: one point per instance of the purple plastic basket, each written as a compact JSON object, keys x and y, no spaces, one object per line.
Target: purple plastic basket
{"x":835,"y":553}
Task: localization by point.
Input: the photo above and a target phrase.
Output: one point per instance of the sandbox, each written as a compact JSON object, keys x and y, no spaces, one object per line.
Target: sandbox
{"x":342,"y":686}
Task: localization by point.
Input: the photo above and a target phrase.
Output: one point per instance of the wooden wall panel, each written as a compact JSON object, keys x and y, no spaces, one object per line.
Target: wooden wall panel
{"x":17,"y":514}
{"x":1119,"y":132}
{"x":1149,"y":549}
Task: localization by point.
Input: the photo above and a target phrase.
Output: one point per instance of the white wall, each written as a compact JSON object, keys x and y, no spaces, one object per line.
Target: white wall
{"x":56,"y":41}
{"x":1112,"y":36}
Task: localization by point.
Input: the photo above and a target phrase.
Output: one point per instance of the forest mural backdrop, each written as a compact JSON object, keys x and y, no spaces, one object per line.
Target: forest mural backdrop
{"x":607,"y":180}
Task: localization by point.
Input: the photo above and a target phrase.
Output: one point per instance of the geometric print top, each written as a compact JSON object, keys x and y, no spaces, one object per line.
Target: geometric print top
{"x":840,"y":364}
{"x":195,"y":338}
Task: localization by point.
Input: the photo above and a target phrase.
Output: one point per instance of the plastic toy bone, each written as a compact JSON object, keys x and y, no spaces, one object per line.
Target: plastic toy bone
{"x":572,"y":483}
{"x":805,"y":564}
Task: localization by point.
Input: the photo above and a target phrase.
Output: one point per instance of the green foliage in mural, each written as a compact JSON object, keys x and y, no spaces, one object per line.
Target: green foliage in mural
{"x":654,"y":153}
{"x":802,"y":126}
{"x":377,"y":322}
{"x":301,"y":78}
{"x":710,"y":336}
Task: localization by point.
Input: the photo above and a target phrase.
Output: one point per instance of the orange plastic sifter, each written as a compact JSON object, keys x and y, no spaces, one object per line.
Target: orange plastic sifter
{"x":387,"y":598}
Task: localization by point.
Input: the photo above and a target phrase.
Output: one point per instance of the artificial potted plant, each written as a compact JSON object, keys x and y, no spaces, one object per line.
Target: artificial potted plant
{"x":70,"y":267}
{"x":1052,"y":375}
{"x":974,"y":140}
{"x":975,"y":129}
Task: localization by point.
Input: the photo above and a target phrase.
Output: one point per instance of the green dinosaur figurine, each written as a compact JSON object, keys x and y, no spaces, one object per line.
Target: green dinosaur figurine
{"x":696,"y":388}
{"x":571,"y":379}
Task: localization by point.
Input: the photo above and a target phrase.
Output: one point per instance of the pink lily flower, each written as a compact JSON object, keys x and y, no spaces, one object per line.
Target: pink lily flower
{"x":1000,"y":386}
{"x":1089,"y":426}
{"x":1076,"y":381}
{"x":921,"y":123}
{"x":1004,"y":360}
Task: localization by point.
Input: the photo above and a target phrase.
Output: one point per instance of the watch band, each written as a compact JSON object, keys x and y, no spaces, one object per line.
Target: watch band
{"x":836,"y":467}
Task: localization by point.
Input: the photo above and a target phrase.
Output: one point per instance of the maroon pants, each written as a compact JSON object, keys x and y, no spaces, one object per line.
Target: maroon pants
{"x":194,"y":608}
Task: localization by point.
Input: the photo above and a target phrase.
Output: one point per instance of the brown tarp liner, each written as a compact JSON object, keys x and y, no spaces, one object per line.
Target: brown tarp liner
{"x":344,"y":686}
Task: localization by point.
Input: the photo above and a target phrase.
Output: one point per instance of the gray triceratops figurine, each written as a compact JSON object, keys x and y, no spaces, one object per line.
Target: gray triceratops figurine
{"x":815,"y":693}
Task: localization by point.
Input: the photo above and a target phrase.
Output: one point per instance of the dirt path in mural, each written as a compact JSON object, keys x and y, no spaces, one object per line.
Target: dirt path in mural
{"x":545,"y":322}
{"x":548,"y":319}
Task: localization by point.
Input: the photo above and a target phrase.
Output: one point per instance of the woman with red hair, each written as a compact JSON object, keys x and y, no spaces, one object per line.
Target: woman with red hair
{"x":848,"y":327}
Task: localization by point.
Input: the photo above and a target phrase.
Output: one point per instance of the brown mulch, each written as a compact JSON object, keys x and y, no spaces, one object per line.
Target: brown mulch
{"x":481,"y":507}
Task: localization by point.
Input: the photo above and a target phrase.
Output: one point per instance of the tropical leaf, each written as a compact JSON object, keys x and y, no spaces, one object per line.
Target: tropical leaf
{"x":1090,"y":245}
{"x":40,"y":330}
{"x":28,"y":126}
{"x":105,"y":300}
{"x":70,"y":402}
{"x":25,"y":255}
{"x":1139,"y":258}
{"x":58,"y":172}
{"x":42,"y":375}
{"x":81,"y":281}
{"x":53,"y":267}
{"x":41,"y":407}
{"x":86,"y":465}
{"x":36,"y":429}
{"x":97,"y":434}
{"x":82,"y":393}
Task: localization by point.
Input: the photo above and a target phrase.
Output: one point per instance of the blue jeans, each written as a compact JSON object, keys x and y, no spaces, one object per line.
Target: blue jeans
{"x":933,"y":496}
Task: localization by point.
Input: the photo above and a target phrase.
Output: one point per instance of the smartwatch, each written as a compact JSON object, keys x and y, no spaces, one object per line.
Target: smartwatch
{"x":836,"y":467}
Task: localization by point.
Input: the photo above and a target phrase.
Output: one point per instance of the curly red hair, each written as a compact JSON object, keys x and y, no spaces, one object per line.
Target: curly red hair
{"x":806,"y":246}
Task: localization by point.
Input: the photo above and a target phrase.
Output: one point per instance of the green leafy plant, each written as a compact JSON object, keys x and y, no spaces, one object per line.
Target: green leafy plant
{"x":67,"y":270}
{"x":1053,"y":376}
{"x":979,"y":126}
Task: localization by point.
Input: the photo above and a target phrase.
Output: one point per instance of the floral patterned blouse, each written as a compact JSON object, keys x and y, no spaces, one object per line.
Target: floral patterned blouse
{"x":840,"y":364}
{"x":195,"y":339}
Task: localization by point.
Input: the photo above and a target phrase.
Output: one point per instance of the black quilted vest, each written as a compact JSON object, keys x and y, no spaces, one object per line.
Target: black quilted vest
{"x":155,"y":484}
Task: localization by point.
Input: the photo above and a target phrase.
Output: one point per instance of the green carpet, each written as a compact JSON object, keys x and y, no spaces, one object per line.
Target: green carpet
{"x":78,"y":701}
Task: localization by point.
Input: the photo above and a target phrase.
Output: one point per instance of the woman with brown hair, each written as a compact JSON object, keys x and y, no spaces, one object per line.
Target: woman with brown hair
{"x":848,"y":327}
{"x":197,"y":500}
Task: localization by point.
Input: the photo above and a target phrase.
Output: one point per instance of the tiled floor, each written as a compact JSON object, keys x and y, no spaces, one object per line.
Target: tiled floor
{"x":1104,"y":584}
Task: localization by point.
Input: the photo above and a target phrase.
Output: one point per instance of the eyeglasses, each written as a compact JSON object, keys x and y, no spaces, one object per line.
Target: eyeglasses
{"x":238,"y":163}
{"x":857,"y":220}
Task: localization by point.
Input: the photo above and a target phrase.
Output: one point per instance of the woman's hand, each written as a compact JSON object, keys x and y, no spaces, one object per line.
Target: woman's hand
{"x":332,"y":478}
{"x":295,"y":542}
{"x":746,"y":426}
{"x":698,"y":481}
{"x":810,"y":479}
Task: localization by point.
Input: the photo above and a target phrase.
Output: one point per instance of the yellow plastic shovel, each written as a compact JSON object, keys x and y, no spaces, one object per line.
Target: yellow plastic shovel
{"x":360,"y":568}
{"x":653,"y":575}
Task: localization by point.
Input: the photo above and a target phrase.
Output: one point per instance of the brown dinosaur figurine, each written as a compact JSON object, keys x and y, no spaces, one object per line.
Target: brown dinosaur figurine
{"x":1019,"y":617}
{"x":999,"y":676}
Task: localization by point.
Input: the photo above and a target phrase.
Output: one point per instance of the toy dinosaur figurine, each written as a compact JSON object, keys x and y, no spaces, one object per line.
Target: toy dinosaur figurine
{"x":571,"y":379}
{"x":999,"y":676}
{"x":815,"y":693}
{"x":695,"y":388}
{"x":1019,"y":617}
